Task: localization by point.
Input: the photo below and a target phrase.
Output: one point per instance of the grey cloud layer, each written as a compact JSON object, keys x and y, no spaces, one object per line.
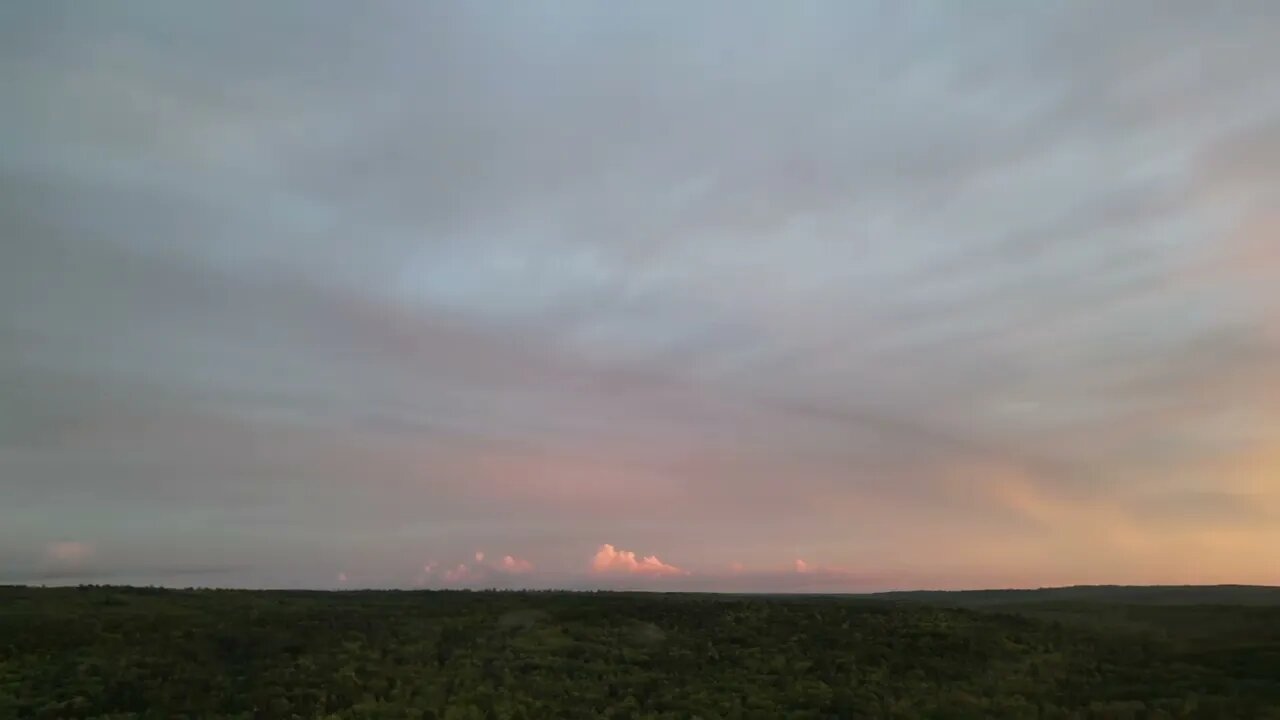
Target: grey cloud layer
{"x":307,"y":286}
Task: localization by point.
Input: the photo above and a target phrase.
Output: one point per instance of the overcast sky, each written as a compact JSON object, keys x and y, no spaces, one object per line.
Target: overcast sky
{"x":742,"y":295}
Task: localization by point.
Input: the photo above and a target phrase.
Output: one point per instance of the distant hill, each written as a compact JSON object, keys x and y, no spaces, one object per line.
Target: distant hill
{"x":1253,"y":595}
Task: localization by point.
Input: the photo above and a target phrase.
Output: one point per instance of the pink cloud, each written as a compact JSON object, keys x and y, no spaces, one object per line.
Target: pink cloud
{"x":342,"y":577}
{"x":735,"y":567}
{"x":68,"y":552}
{"x":814,"y":570}
{"x":428,"y":569}
{"x":485,"y":569}
{"x":609,"y":559}
{"x":516,"y":566}
{"x":461,"y":573}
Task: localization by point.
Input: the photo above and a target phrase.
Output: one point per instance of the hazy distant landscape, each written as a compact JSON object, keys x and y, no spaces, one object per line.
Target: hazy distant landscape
{"x":1081,"y":652}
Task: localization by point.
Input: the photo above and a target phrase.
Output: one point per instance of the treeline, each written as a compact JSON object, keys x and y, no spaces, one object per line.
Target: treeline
{"x":149,"y":653}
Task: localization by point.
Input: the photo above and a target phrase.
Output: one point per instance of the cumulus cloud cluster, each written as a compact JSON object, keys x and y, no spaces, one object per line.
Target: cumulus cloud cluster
{"x":462,"y":573}
{"x":613,"y":567}
{"x":516,"y":565}
{"x":609,"y":559}
{"x":480,"y":572}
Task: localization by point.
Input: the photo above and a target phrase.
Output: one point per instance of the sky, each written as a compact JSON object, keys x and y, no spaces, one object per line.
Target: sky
{"x":742,"y":296}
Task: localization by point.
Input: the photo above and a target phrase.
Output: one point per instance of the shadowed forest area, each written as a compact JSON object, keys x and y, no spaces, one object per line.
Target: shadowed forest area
{"x":114,"y":652}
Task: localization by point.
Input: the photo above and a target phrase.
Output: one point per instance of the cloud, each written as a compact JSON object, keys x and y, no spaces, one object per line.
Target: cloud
{"x":516,"y":565}
{"x":483,"y":572}
{"x":610,"y":560}
{"x":68,"y":552}
{"x":461,"y":573}
{"x":804,"y":567}
{"x":342,"y":577}
{"x":426,"y":575}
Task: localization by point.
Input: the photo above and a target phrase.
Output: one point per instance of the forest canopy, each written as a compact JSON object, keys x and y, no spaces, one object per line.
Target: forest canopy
{"x":108,"y":652}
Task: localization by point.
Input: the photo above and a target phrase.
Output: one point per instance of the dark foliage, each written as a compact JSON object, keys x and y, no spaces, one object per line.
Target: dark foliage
{"x":145,"y":653}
